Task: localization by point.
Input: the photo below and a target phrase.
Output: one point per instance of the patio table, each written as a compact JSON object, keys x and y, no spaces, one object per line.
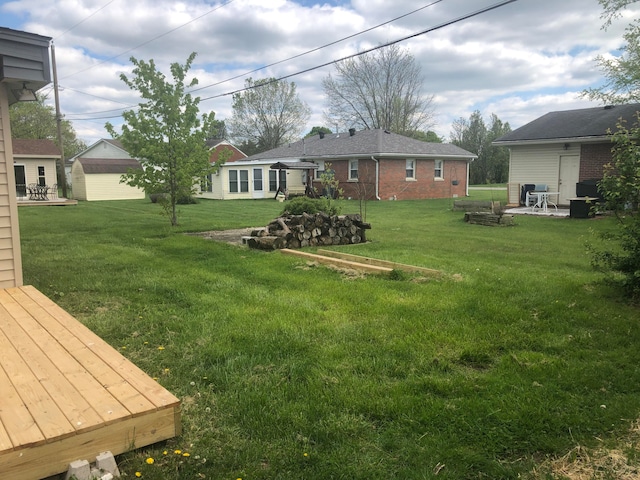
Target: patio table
{"x":542,"y":200}
{"x":38,"y":192}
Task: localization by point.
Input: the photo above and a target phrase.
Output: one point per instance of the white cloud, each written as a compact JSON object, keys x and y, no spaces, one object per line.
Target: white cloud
{"x":518,"y":61}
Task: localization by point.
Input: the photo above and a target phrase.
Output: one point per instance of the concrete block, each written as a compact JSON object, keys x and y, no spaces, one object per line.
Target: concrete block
{"x":105,"y":462}
{"x":79,"y":470}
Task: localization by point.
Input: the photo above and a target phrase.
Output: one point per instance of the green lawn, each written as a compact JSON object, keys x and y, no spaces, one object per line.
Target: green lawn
{"x":289,"y":370}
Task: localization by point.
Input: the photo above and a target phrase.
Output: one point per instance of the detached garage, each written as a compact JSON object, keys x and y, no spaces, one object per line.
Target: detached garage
{"x":99,"y":179}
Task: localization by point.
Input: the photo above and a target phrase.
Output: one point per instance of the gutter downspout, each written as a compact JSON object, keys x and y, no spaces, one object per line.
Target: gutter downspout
{"x":468,"y":169}
{"x":377,"y":175}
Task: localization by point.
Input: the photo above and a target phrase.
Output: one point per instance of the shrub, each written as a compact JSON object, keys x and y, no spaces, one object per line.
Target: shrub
{"x":300,"y":205}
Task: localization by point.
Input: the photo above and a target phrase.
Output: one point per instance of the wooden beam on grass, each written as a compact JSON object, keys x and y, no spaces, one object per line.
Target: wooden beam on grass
{"x":338,"y":262}
{"x":381,"y":263}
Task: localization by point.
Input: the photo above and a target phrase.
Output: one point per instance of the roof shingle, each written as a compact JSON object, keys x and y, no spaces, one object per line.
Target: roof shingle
{"x":363,"y":143}
{"x":33,"y":146}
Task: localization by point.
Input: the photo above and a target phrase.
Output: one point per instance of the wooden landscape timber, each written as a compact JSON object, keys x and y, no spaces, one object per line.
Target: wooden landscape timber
{"x":360,"y":263}
{"x":380,"y":263}
{"x":338,"y":262}
{"x":490,"y":219}
{"x":476,"y":206}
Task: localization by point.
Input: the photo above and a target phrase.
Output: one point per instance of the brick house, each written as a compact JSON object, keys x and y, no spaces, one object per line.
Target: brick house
{"x":564,"y":150}
{"x":377,"y":164}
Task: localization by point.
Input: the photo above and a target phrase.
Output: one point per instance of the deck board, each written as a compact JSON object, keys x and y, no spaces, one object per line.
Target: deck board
{"x":67,"y":394}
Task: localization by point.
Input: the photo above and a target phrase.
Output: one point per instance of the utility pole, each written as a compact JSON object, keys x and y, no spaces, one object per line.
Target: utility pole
{"x":62,"y":176}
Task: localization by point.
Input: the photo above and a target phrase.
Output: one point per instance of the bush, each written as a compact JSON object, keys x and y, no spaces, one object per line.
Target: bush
{"x":300,"y":205}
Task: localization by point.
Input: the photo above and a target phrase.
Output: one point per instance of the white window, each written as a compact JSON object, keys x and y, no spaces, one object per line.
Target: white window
{"x":438,"y":172}
{"x":320,"y":169}
{"x":411,"y":168}
{"x":353,"y":169}
{"x":238,"y":182}
{"x":257,"y":179}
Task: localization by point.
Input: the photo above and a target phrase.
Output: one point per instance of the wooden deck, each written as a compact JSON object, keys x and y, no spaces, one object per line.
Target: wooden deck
{"x":66,"y":395}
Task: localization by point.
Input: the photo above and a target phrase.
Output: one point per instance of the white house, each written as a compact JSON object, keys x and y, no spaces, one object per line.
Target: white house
{"x":34,"y":162}
{"x":565,"y":150}
{"x":256,"y":179}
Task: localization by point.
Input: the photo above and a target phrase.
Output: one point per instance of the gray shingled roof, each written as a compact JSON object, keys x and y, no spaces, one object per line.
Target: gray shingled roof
{"x":585,"y":123}
{"x":107,"y":165}
{"x":365,"y":143}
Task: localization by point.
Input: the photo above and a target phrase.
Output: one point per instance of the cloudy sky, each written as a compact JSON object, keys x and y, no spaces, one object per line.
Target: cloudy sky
{"x":519,"y":61}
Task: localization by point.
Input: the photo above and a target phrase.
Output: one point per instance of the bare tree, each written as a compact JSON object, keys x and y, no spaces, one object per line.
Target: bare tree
{"x":269,"y":113}
{"x":379,"y":89}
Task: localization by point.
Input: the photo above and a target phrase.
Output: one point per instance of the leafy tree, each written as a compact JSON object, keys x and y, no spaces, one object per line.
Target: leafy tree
{"x":622,"y":73}
{"x":165,"y":134}
{"x":428,"y":136}
{"x":317,"y":130}
{"x":218,"y":130}
{"x":492,"y":164}
{"x":620,"y":187}
{"x":380,"y":89}
{"x":269,"y":113}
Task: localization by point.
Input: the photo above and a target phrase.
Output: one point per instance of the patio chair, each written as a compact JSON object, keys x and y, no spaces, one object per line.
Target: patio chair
{"x":53,"y":191}
{"x":532,"y":199}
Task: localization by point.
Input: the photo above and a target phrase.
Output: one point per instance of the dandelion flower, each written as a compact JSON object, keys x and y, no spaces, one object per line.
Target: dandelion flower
{"x":305,"y":454}
{"x":177,"y":452}
{"x":150,"y":461}
{"x":138,"y":474}
{"x":165,"y":452}
{"x":160,"y":347}
{"x":186,"y":454}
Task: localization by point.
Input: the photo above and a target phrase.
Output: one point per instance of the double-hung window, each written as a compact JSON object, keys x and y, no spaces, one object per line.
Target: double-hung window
{"x":438,"y":171}
{"x":238,"y":181}
{"x":353,"y":169}
{"x":411,"y":169}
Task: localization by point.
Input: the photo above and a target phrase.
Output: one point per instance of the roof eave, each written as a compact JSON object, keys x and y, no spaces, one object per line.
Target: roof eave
{"x":546,"y":141}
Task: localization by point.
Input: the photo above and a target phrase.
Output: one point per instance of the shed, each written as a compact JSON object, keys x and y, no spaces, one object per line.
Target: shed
{"x":34,"y":161}
{"x":99,"y":179}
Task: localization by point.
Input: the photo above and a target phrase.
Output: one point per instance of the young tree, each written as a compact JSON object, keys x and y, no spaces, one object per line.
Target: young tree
{"x":620,"y":187}
{"x":380,"y":89}
{"x":165,"y":134}
{"x":622,"y":73}
{"x":269,"y":113}
{"x":492,"y":164}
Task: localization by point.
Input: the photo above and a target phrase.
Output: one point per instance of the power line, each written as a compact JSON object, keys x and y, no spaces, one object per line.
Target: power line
{"x":85,"y":19}
{"x":319,"y":48}
{"x":287,"y":59}
{"x":152,"y":39}
{"x":369,"y":50}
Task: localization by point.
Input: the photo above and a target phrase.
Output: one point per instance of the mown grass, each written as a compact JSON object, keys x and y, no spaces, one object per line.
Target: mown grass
{"x":289,"y":370}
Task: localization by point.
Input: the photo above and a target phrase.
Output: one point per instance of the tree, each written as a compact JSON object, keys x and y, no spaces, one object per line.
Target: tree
{"x":620,"y":188}
{"x":317,"y":130}
{"x":268,"y":113}
{"x":622,"y":73}
{"x":37,"y":120}
{"x":165,"y":134}
{"x":428,"y":136}
{"x":492,"y":164}
{"x":379,"y":89}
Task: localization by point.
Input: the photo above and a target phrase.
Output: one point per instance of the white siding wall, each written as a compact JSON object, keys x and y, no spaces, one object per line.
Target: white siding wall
{"x":104,"y":149}
{"x":536,"y":164}
{"x":107,"y":186}
{"x":221,"y":182}
{"x":10,"y":256}
{"x":31,"y":169}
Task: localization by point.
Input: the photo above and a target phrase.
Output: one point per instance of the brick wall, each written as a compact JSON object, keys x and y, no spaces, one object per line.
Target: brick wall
{"x":393,"y":181}
{"x":592,"y":158}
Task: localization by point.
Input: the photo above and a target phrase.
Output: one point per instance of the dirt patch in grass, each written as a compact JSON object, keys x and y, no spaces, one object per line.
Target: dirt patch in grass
{"x":229,"y":236}
{"x":618,"y":462}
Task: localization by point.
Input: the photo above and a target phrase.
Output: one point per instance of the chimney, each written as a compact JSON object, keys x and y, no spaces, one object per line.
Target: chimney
{"x":321,"y":134}
{"x":352,"y":132}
